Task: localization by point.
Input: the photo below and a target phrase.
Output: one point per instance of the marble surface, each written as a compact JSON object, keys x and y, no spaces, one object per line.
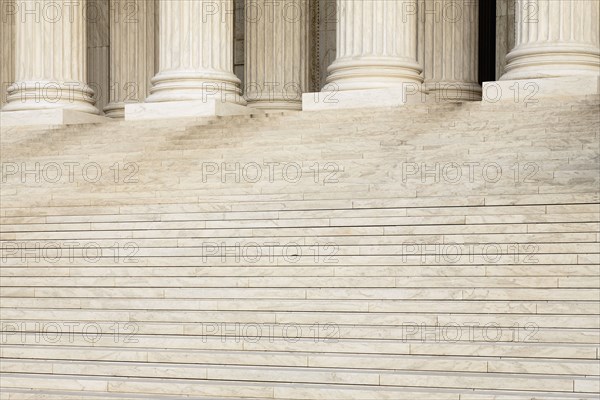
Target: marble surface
{"x":7,"y":49}
{"x":277,"y":66}
{"x":132,"y":53}
{"x":55,"y":116}
{"x":185,"y":109}
{"x":376,"y":45}
{"x":335,"y":100}
{"x":449,"y":49}
{"x":195,"y":59}
{"x":409,"y":328}
{"x":505,"y":33}
{"x":43,"y":79}
{"x":532,"y":91}
{"x":554,"y":38}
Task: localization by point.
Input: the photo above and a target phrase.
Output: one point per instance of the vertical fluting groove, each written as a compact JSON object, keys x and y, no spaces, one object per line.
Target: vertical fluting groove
{"x":450,"y":52}
{"x":8,"y":68}
{"x":197,"y":47}
{"x":132,"y":52}
{"x":376,"y":46}
{"x":564,"y":42}
{"x":555,"y":20}
{"x":277,"y":52}
{"x":51,"y":51}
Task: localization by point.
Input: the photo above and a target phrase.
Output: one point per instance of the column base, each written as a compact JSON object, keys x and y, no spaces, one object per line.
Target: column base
{"x":115,"y":110}
{"x":185,"y":109}
{"x":51,"y":116}
{"x":452,"y":92}
{"x":276,"y":106}
{"x":410,"y":93}
{"x":532,"y":90}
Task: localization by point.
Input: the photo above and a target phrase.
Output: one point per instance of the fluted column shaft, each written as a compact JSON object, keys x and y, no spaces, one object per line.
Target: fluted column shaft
{"x":132,"y":32}
{"x":449,"y":48}
{"x":51,"y":57}
{"x":376,"y":45}
{"x":196,"y":52}
{"x":7,"y":47}
{"x":554,"y":38}
{"x":277,"y":65}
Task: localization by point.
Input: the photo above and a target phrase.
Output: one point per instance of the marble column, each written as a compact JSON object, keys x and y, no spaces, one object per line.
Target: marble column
{"x":449,"y":49}
{"x":554,"y":38}
{"x":376,"y":45}
{"x":277,"y":65}
{"x":98,"y":49}
{"x":196,"y":52}
{"x":132,"y":52}
{"x":50,"y":54}
{"x":505,"y":33}
{"x":7,"y":49}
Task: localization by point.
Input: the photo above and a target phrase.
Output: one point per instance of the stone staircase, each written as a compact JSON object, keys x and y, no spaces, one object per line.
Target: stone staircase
{"x":425,"y":252}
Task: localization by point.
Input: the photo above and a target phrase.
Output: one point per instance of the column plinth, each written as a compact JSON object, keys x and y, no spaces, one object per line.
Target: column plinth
{"x":50,"y":58}
{"x":277,"y":65}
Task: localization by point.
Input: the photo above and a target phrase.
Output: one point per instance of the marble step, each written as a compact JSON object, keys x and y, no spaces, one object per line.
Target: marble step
{"x":234,"y":196}
{"x":303,"y":282}
{"x":169,"y":346}
{"x":488,"y":380}
{"x":445,"y":233}
{"x":323,"y":120}
{"x":301,"y":317}
{"x":227,"y":390}
{"x":500,"y":294}
{"x":292,"y":258}
{"x":194,"y":192}
{"x":350,"y":356}
{"x":207,"y":359}
{"x":582,"y":135}
{"x":322,"y":213}
{"x":180,"y":349}
{"x":322,"y":221}
{"x":319,"y":137}
{"x":238,"y":204}
{"x":566,"y":275}
{"x":146,"y":160}
{"x":334,"y":322}
{"x":407,"y":306}
{"x":224,"y":237}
